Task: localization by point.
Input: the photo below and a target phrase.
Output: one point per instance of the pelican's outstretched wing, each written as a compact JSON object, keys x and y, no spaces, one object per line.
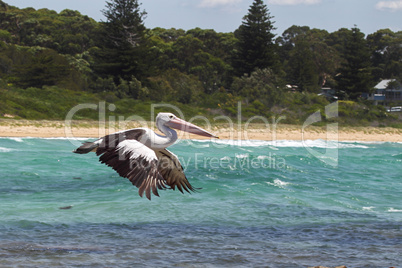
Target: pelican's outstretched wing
{"x":172,"y":171}
{"x":124,"y":152}
{"x":135,"y":161}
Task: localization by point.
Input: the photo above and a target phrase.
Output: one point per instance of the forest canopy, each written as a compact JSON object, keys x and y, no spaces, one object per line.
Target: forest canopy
{"x":42,"y":48}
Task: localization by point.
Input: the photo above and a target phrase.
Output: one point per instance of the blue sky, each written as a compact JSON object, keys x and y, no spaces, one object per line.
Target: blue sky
{"x":226,"y":15}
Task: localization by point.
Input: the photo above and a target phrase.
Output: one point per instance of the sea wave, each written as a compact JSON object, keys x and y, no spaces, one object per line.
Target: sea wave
{"x":279,"y":183}
{"x":5,"y":150}
{"x":273,"y":144}
{"x":16,"y":139}
{"x":394,"y":210}
{"x":368,"y":208}
{"x":241,"y":156}
{"x":21,"y":139}
{"x":268,"y":202}
{"x":287,"y":143}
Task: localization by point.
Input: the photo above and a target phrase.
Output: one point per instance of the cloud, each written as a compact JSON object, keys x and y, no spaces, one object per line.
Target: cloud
{"x":389,"y":5}
{"x":214,"y":3}
{"x":293,"y":2}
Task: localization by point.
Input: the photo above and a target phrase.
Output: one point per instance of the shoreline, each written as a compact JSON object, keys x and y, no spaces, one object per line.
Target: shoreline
{"x":94,"y":129}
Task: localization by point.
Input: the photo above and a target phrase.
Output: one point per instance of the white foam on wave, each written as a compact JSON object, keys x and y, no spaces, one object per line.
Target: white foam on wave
{"x":241,"y":156}
{"x":242,"y":143}
{"x":64,"y":138}
{"x":274,"y":145}
{"x":278,"y":183}
{"x":281,"y":183}
{"x":190,"y":142}
{"x":287,"y":143}
{"x":17,"y":139}
{"x":5,"y":150}
{"x":368,"y":208}
{"x":394,"y":210}
{"x":68,"y":139}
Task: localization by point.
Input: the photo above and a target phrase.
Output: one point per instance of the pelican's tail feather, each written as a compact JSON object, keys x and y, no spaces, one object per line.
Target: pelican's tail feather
{"x":87,"y":147}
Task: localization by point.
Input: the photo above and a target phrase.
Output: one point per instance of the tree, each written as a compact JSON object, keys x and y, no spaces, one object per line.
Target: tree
{"x":122,"y":40}
{"x":203,"y":53}
{"x":355,"y":72}
{"x":44,"y":68}
{"x":189,"y":56}
{"x":288,"y":39}
{"x":386,"y":50}
{"x":255,"y":48}
{"x":309,"y":61}
{"x":125,"y":23}
{"x":3,"y":5}
{"x":302,"y":69}
{"x":174,"y":85}
{"x":263,"y":86}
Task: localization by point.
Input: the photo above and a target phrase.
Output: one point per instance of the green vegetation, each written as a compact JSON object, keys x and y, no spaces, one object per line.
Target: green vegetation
{"x":53,"y":103}
{"x":255,"y":47}
{"x":51,"y":62}
{"x":355,"y":70}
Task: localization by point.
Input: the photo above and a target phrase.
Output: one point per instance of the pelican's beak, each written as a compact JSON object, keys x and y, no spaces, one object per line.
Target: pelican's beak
{"x":180,"y":124}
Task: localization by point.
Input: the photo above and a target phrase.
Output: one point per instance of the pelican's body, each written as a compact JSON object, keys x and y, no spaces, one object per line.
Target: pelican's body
{"x":140,"y":155}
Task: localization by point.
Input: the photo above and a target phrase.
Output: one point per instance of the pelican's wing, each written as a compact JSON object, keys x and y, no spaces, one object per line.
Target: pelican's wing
{"x":172,"y":171}
{"x":109,"y":142}
{"x":132,"y":160}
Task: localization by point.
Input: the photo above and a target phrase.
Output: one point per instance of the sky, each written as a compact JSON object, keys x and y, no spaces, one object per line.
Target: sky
{"x":226,"y":15}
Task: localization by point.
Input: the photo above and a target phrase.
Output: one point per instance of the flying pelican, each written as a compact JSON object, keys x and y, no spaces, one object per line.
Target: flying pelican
{"x":140,"y":155}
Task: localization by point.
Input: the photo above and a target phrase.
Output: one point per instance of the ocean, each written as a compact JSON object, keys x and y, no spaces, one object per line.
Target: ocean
{"x":261,"y":204}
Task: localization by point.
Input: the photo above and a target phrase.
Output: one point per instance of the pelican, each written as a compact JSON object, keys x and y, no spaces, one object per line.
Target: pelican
{"x":140,"y":155}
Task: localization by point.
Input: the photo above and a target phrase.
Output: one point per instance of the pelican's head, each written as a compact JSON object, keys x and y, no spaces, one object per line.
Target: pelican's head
{"x":165,"y":117}
{"x":172,"y":121}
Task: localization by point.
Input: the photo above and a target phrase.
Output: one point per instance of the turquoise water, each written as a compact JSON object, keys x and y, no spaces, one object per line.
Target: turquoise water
{"x":262,"y":204}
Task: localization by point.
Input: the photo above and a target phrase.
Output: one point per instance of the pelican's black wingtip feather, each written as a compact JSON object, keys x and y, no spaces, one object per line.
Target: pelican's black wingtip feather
{"x":86,"y":147}
{"x":196,"y":190}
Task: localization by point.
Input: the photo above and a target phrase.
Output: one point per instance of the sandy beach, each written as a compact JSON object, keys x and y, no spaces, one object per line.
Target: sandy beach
{"x":94,"y":129}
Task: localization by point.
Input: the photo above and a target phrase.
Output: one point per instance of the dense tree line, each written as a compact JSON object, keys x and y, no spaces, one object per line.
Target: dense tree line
{"x":44,"y":48}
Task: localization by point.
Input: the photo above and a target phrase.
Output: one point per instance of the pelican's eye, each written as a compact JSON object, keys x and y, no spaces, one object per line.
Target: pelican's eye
{"x":171,"y":116}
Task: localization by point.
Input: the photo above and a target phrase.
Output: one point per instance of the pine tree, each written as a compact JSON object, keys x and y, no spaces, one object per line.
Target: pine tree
{"x":125,"y":25}
{"x":256,"y":49}
{"x":303,"y":71}
{"x":355,"y":73}
{"x":123,"y":41}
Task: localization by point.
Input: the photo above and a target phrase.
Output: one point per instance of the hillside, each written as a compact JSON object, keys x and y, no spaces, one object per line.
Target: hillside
{"x":50,"y":62}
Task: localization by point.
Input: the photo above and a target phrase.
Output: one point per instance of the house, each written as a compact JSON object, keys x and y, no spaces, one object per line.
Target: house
{"x":387,"y":92}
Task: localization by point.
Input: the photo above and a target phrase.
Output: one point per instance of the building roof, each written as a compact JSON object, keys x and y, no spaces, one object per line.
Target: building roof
{"x":384,"y":83}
